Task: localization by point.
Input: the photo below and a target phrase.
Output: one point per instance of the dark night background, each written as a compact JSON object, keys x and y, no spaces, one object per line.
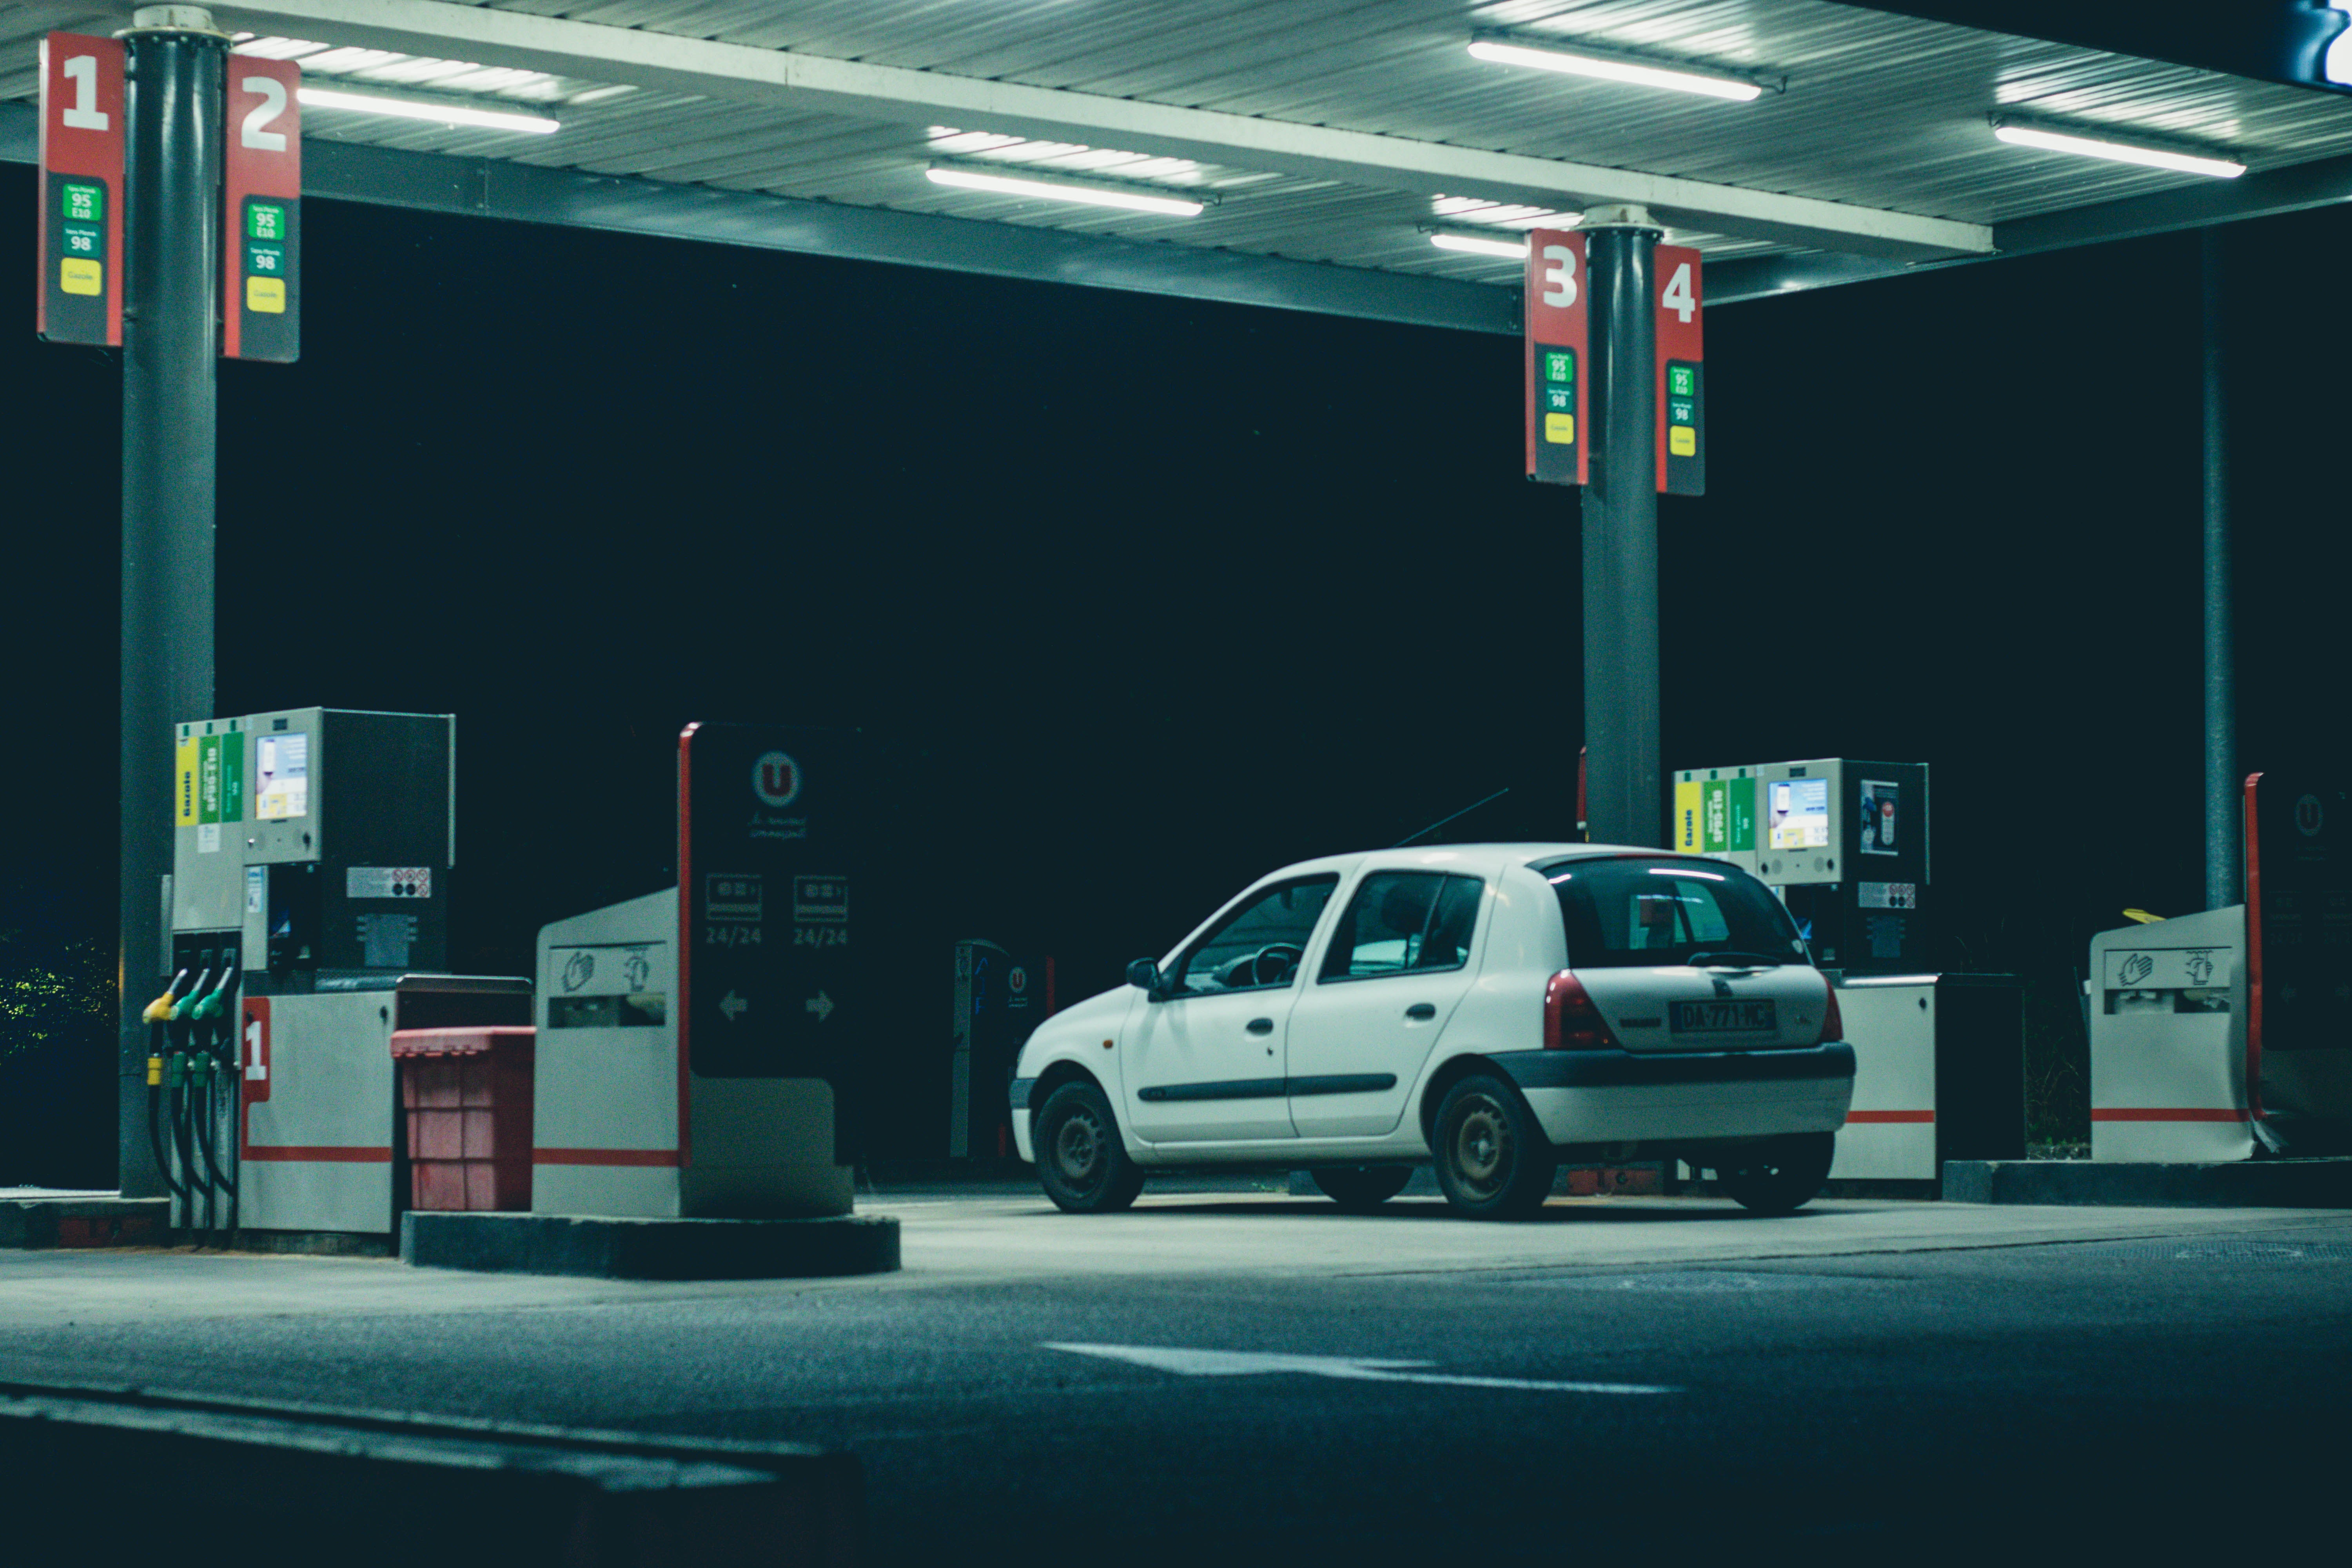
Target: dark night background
{"x":1139,"y":598}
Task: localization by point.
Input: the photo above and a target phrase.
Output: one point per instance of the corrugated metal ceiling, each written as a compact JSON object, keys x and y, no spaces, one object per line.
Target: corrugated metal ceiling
{"x":1881,"y":110}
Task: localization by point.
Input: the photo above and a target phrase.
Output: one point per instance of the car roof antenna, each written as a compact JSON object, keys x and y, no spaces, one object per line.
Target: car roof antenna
{"x":1443,"y":820}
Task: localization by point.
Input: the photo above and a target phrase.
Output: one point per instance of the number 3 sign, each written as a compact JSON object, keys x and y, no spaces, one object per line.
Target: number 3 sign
{"x":1556,"y":369}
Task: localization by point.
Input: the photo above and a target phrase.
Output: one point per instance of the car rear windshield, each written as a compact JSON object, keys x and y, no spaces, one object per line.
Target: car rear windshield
{"x":1635,"y":912}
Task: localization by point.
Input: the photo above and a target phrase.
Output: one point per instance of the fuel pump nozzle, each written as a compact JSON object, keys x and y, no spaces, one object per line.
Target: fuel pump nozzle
{"x":207,"y":1007}
{"x":165,"y":1074}
{"x":166,"y":1007}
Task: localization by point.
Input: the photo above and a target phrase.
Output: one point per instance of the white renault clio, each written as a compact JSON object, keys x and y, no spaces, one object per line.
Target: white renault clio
{"x":1497,"y":1007}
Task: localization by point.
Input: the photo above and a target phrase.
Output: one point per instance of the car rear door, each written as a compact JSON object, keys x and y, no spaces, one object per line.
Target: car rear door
{"x":1683,"y":955}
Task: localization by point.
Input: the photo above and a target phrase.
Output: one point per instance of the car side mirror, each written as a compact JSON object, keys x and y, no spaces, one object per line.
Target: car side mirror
{"x":1144,"y":975}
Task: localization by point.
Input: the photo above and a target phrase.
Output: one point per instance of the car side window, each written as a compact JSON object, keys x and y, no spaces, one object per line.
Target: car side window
{"x":1404,"y":921}
{"x":1259,"y":944}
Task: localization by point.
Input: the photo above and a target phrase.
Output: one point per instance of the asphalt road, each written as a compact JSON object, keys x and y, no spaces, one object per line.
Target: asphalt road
{"x":1666,"y":1379}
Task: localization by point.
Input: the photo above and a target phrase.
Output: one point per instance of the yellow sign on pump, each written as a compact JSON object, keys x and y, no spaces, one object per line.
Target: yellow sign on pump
{"x":1687,"y":832}
{"x":189,"y":755}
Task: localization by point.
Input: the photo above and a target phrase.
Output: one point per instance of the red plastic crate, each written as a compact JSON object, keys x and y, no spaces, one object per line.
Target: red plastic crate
{"x":467,"y":1097}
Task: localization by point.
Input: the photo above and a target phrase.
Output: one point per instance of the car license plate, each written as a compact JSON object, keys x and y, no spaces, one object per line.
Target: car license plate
{"x":1722,"y":1017}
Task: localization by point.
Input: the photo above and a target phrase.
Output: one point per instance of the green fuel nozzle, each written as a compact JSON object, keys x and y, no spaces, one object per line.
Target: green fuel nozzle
{"x":208,"y":1006}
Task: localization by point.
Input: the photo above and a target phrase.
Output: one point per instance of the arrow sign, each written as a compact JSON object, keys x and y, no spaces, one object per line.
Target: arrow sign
{"x":732,"y":1005}
{"x":822,"y":1005}
{"x":1353,"y":1369}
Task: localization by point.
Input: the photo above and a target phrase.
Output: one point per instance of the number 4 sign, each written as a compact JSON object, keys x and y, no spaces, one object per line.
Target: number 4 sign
{"x":261,"y":217}
{"x":1682,"y":374}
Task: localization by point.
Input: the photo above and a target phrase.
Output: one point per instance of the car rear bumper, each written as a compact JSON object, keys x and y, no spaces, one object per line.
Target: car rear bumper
{"x":1611,"y":1097}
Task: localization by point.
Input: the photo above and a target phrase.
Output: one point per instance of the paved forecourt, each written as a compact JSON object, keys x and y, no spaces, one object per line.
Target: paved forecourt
{"x":1245,"y":1378}
{"x":1006,"y":1237}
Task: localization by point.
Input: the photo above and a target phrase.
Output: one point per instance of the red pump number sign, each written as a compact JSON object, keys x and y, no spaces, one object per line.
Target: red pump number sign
{"x":83,"y":215}
{"x":80,"y":297}
{"x":261,"y":212}
{"x":1559,"y":367}
{"x":1558,"y":442}
{"x":1681,"y":393}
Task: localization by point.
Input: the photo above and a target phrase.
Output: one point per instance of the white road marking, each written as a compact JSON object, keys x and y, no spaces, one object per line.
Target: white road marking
{"x":1356,"y":1369}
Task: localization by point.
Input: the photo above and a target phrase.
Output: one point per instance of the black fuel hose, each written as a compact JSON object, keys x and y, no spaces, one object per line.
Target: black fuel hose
{"x":155,"y":1093}
{"x":181,"y":1140}
{"x":200,"y":1102}
{"x":232,"y":1087}
{"x":209,"y":1140}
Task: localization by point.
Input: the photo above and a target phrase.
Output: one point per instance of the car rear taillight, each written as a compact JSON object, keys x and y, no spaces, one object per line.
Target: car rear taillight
{"x":1832,"y":1022}
{"x":1571,"y":1023}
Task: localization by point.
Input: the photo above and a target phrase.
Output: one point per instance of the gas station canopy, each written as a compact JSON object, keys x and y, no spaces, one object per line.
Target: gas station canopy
{"x":1377,"y":159}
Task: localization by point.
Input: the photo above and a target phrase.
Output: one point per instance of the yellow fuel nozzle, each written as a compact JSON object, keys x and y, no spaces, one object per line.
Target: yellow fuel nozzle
{"x":166,"y":1007}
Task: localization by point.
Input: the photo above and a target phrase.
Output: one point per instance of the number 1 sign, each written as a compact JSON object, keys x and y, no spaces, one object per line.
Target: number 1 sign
{"x":80,"y":298}
{"x":1557,"y":321}
{"x":261,"y":215}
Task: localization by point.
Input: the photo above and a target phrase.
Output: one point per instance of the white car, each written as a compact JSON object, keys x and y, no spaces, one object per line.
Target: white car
{"x":1497,"y":1007}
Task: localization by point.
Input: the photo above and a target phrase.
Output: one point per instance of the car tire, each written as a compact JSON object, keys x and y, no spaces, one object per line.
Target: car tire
{"x":1360,"y":1189}
{"x":1783,"y":1175}
{"x":1493,"y":1159}
{"x":1081,"y":1163}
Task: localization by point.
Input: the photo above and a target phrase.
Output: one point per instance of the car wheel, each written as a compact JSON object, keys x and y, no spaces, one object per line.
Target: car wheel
{"x":1359,"y":1189}
{"x":1783,"y":1175}
{"x":1081,"y":1163}
{"x":1493,"y":1159}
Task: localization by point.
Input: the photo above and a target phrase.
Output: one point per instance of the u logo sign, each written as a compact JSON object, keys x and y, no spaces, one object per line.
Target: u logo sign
{"x":776,"y":779}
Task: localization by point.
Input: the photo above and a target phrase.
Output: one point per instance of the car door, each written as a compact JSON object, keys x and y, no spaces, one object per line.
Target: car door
{"x":1205,"y":1063}
{"x":1400,"y":960}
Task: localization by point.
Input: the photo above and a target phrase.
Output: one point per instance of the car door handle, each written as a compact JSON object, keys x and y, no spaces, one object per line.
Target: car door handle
{"x":1261,"y":1025}
{"x":1422,"y":1010}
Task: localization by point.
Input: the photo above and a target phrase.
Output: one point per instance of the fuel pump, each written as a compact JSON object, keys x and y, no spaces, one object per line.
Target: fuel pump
{"x":1939,"y":1056}
{"x":309,"y":899}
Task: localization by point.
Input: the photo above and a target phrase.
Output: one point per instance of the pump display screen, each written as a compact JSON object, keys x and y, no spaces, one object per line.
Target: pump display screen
{"x":281,"y":766}
{"x":1797,"y":813}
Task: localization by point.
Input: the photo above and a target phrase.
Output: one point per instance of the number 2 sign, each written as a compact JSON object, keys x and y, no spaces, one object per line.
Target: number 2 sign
{"x":261,"y":215}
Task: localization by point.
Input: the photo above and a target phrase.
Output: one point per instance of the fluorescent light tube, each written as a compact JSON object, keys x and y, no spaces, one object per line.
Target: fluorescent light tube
{"x":2117,"y":151}
{"x":439,"y":114}
{"x":1055,"y":191}
{"x":1513,"y":53}
{"x":1479,"y":245}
